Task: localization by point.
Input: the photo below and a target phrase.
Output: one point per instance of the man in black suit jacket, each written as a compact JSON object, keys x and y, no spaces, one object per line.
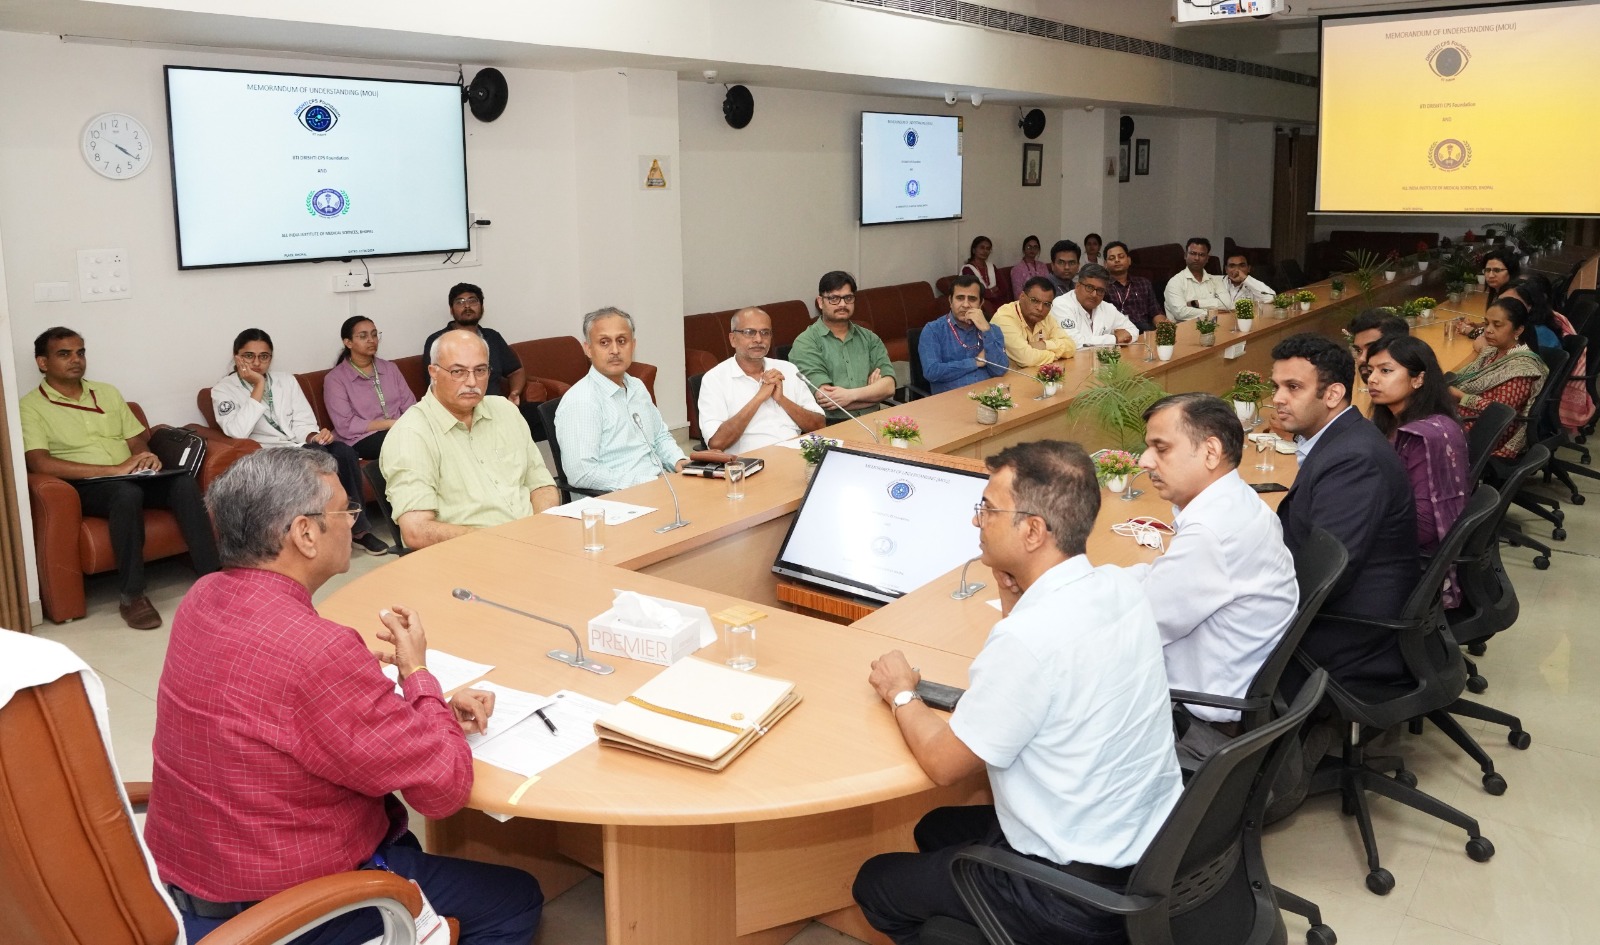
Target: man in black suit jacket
{"x":1351,"y":483}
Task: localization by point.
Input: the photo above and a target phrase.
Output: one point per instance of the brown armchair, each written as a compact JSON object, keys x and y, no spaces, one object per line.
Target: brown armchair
{"x":72,"y":868}
{"x":70,"y":546}
{"x":555,"y":364}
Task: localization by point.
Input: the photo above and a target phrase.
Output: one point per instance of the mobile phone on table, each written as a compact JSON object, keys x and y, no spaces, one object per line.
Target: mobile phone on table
{"x":1269,"y":487}
{"x":939,"y":695}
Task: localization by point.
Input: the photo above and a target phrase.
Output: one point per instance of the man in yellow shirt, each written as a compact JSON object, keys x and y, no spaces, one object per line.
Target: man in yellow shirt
{"x":461,"y":459}
{"x":1033,"y":337}
{"x":82,"y":431}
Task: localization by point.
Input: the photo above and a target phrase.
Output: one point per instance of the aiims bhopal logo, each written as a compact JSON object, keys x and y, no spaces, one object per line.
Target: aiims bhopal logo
{"x":912,"y":137}
{"x":1451,"y":154}
{"x":1448,"y":60}
{"x":327,"y":203}
{"x":913,"y":188}
{"x":317,"y":116}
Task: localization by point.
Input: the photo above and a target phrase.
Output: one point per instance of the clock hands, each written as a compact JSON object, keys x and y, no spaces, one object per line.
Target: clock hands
{"x":123,"y":150}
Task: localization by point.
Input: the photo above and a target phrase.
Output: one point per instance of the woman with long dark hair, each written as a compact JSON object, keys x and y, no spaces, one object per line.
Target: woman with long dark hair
{"x":1505,"y":371}
{"x":978,"y":264}
{"x":1412,"y":406}
{"x":1501,"y":267}
{"x":1550,"y":327}
{"x":364,"y":394}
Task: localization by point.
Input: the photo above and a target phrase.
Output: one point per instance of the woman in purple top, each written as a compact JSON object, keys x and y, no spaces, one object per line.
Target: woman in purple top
{"x":1412,"y":406}
{"x":364,"y":394}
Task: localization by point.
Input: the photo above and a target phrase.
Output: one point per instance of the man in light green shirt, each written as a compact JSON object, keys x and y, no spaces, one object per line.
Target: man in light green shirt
{"x":847,"y":363}
{"x":461,"y":460}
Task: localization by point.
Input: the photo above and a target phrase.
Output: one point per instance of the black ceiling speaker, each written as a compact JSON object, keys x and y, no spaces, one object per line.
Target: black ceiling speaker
{"x":1125,"y":129}
{"x":1032,"y":124}
{"x":738,"y":106}
{"x":487,"y":94}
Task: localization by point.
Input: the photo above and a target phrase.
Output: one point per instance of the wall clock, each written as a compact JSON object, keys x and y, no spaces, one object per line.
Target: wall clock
{"x":116,"y":145}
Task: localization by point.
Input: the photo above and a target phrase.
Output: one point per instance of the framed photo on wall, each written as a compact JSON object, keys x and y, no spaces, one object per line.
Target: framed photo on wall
{"x":1141,"y":157}
{"x":1032,"y":164}
{"x":1123,"y":164}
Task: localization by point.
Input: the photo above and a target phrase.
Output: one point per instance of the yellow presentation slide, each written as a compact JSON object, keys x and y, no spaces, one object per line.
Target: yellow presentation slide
{"x":1461,"y":112}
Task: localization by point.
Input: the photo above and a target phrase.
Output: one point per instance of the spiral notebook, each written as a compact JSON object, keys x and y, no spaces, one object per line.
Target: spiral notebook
{"x":697,"y":713}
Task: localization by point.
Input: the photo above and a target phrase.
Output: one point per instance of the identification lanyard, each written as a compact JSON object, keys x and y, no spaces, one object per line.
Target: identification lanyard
{"x":92,"y":399}
{"x":377,"y":386}
{"x":1119,"y":299}
{"x":272,"y":413}
{"x":951,"y":320}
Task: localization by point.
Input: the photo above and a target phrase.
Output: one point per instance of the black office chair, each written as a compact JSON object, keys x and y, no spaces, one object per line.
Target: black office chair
{"x":380,"y":488}
{"x":694,"y":382}
{"x":1437,"y":678}
{"x":1542,"y":417}
{"x":918,"y":386}
{"x":1485,"y":433}
{"x":547,"y":413}
{"x":1317,"y":568}
{"x":1202,"y":880}
{"x":781,"y":352}
{"x":1561,"y":438}
{"x":1291,"y":275}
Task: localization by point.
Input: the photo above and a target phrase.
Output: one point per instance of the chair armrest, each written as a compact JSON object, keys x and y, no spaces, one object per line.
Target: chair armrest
{"x":555,"y":387}
{"x":1186,"y":697}
{"x":138,"y":792}
{"x":309,"y":904}
{"x":1065,"y":884}
{"x":534,"y":391}
{"x":1381,"y":623}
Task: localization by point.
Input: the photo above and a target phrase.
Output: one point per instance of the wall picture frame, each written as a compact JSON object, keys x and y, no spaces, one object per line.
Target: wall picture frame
{"x":1124,"y":165}
{"x":1032,"y":164}
{"x":1141,"y":157}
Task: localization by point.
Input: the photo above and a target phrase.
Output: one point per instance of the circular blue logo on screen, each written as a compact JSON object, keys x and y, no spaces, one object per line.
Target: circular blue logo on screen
{"x":328,"y":202}
{"x":900,"y":490}
{"x":317,"y":116}
{"x":912,"y":137}
{"x":883,"y":546}
{"x":913,"y":188}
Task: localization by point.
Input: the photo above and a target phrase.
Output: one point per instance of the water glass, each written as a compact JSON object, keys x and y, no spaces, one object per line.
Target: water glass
{"x":594,"y":529}
{"x":742,"y":646}
{"x":733,"y":471}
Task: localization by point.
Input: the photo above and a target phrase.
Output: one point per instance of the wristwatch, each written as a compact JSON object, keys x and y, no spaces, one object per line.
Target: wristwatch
{"x":903,"y":697}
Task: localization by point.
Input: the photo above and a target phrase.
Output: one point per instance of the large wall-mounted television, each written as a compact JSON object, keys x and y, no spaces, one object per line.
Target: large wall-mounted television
{"x":910,"y":168}
{"x":272,"y":167}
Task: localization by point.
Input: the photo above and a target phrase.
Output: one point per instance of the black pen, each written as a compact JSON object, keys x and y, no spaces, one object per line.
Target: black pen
{"x":546,"y":720}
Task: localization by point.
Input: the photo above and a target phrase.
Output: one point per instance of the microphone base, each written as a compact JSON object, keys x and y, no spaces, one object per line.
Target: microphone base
{"x":669,"y":527}
{"x":573,"y":659}
{"x":966,"y":590}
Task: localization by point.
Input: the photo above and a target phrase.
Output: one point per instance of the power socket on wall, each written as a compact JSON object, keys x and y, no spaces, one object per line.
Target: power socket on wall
{"x":103,"y":275}
{"x":346,"y":282}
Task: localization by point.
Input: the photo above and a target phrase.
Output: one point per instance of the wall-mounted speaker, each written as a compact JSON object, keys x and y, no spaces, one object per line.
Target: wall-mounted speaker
{"x":1032,"y":124}
{"x":738,"y":106}
{"x":1125,"y":129}
{"x":487,"y":94}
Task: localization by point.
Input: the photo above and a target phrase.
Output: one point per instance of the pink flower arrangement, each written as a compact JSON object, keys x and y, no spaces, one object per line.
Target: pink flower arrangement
{"x":1111,"y":464}
{"x":900,"y":427}
{"x":1050,"y":373}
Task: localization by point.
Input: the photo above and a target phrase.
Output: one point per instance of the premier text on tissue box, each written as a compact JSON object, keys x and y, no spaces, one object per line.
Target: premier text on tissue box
{"x":650,"y":630}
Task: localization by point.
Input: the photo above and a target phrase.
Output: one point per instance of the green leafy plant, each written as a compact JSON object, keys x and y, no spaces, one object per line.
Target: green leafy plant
{"x":1115,"y":400}
{"x":1426,"y":301}
{"x":1107,"y":356}
{"x":1245,"y":309}
{"x":1336,"y":284}
{"x":1248,"y":387}
{"x":1305,"y":295}
{"x":995,"y":398}
{"x":813,"y":447}
{"x":1455,"y":287}
{"x":1205,"y":325}
{"x":1167,"y":333}
{"x":1114,"y":464}
{"x":900,"y":427}
{"x":1513,"y":232}
{"x":1363,"y":268}
{"x":1283,"y":300}
{"x":1542,"y":234}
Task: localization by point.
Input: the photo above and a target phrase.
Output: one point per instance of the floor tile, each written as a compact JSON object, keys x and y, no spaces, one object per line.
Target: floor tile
{"x":1353,"y":914}
{"x":1417,"y":932}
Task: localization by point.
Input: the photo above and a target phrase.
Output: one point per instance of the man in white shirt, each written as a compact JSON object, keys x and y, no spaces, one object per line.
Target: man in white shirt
{"x":1088,"y":317}
{"x":1224,"y":592}
{"x":750,"y":400}
{"x":1239,"y":284}
{"x":1069,"y":717}
{"x":1192,"y":291}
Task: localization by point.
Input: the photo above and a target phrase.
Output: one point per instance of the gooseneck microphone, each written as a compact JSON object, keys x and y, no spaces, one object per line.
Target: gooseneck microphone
{"x":575,"y":658}
{"x":677,"y":510}
{"x":817,"y":390}
{"x":967,"y":590}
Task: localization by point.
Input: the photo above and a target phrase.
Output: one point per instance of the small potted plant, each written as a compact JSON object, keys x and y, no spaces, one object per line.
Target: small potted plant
{"x":901,"y":430}
{"x":1336,"y":288}
{"x":1050,"y":376}
{"x":1244,"y":312}
{"x":1305,"y":297}
{"x":1391,"y":266}
{"x":1166,"y":340}
{"x":1455,"y":290}
{"x":1364,"y":266}
{"x":1425,"y":306}
{"x":1106,"y":358}
{"x":1247,"y":390}
{"x":1409,"y":311}
{"x":991,"y":402}
{"x":811,"y":449}
{"x":1207,"y":327}
{"x":1281,"y":303}
{"x":1113,"y":467}
{"x":1422,"y":255}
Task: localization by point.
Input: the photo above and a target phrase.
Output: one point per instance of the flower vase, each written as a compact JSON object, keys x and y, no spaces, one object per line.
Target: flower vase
{"x":1244,"y":410}
{"x":1116,"y":483}
{"x":811,"y":471}
{"x":1422,"y":265}
{"x":1389,"y":274}
{"x":1164,"y":352}
{"x":1245,"y":324}
{"x":1411,"y":321}
{"x":1335,"y":294}
{"x":987,"y":414}
{"x":1427,"y":314}
{"x":1305,"y":306}
{"x":1051,"y":389}
{"x":1207,"y":339}
{"x":900,"y":442}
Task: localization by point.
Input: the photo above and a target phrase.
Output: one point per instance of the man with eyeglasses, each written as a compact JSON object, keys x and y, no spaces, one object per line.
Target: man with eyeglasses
{"x":848,"y":363}
{"x":1032,"y":336}
{"x":281,"y":748}
{"x":751,"y":400}
{"x":1069,"y":715}
{"x":1239,"y":284}
{"x":962,"y":347}
{"x":1193,"y":291}
{"x":461,"y":458}
{"x":1088,"y":317}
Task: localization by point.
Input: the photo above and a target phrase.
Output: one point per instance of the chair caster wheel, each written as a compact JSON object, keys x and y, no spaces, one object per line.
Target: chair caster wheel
{"x":1381,"y":882}
{"x":1321,"y":935}
{"x":1477,"y":649}
{"x":1541,"y":563}
{"x":1558,"y":516}
{"x":1495,"y":785}
{"x":1477,"y":684}
{"x":1519,"y":739}
{"x":1408,"y":778}
{"x":1559,"y":534}
{"x":1578,"y":498}
{"x":1478,"y":848}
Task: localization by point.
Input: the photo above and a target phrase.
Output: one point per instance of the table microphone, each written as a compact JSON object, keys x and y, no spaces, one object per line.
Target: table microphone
{"x":575,"y":658}
{"x":967,"y":590}
{"x":870,"y":432}
{"x":677,"y":510}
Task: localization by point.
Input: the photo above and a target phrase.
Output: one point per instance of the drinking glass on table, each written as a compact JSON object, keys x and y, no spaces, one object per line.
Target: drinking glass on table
{"x":734,"y":471}
{"x":1266,"y":445}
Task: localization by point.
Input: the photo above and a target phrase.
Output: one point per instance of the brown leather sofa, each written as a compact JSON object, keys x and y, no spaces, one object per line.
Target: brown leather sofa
{"x":71,"y":866}
{"x":893,"y":310}
{"x":1328,"y":256}
{"x":555,"y":364}
{"x":71,"y":545}
{"x":1160,"y":263}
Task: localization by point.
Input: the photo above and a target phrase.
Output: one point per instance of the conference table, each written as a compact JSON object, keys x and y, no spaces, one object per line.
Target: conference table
{"x":752,"y":853}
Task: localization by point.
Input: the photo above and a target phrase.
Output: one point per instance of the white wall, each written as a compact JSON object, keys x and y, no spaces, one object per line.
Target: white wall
{"x":1245,"y":180}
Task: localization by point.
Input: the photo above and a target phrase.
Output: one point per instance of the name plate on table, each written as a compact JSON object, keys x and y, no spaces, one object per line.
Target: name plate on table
{"x":620,"y":634}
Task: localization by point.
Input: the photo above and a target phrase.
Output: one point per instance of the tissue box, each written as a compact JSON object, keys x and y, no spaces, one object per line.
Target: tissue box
{"x":609,"y":634}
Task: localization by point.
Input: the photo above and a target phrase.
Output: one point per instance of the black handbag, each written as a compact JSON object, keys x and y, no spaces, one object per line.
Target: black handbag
{"x":178,"y":448}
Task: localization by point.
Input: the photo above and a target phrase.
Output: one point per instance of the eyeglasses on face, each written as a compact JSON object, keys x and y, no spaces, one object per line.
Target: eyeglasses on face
{"x":984,"y":508}
{"x":1091,"y":288}
{"x":1489,"y":271}
{"x":465,"y":299}
{"x":753,"y":333}
{"x":254,"y":358}
{"x":367,"y":335}
{"x":839,"y":299}
{"x":351,"y":509}
{"x":481,"y":372}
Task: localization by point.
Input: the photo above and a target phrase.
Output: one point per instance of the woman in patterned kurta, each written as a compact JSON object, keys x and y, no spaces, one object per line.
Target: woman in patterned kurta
{"x":1505,"y":371}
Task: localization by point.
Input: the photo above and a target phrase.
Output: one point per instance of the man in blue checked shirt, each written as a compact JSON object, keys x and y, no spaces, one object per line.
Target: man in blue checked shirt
{"x":962,"y":347}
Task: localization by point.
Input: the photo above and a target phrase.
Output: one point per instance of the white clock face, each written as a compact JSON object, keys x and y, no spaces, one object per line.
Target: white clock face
{"x":117,"y":146}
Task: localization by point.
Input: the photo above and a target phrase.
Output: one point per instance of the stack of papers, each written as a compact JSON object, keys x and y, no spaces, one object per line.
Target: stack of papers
{"x":451,"y":671}
{"x":527,"y":747}
{"x":697,"y":713}
{"x":616,"y":512}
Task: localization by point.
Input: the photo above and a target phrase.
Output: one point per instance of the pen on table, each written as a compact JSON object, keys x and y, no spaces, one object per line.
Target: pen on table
{"x":546,"y":720}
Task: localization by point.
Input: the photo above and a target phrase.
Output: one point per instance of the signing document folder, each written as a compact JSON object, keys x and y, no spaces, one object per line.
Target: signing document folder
{"x":697,"y":713}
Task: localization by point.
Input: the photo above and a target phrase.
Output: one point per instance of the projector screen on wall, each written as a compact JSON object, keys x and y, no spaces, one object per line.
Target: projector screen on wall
{"x":910,"y":168}
{"x":1482,"y":110}
{"x":272,"y":167}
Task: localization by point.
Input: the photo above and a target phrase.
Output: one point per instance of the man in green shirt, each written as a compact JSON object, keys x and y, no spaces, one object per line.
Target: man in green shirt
{"x":82,"y":431}
{"x":847,"y":364}
{"x":461,"y":459}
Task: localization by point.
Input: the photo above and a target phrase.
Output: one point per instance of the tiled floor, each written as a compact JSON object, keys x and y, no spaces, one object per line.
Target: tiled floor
{"x":1540,"y":888}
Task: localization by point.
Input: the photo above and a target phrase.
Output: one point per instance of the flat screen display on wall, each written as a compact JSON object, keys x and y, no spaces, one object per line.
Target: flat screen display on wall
{"x":274,"y":167}
{"x":910,"y":168}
